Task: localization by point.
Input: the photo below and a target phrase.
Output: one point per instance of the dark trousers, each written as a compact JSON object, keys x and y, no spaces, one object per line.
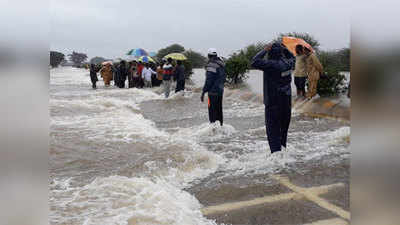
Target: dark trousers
{"x":94,"y":79}
{"x":215,"y":109}
{"x":277,"y":119}
{"x":180,"y":85}
{"x":121,"y":82}
{"x":130,"y":81}
{"x":300,"y":83}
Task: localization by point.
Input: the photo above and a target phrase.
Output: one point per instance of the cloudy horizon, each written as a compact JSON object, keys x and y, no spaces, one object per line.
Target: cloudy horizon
{"x":109,"y":29}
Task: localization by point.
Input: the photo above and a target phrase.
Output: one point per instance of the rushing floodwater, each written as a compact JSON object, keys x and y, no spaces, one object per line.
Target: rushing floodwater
{"x":126,"y":156}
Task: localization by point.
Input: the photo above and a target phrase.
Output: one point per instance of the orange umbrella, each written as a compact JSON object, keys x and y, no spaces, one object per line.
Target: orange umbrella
{"x":291,"y":42}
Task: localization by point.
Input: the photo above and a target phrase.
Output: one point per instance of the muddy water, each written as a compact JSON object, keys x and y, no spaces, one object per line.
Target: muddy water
{"x":128,"y":156}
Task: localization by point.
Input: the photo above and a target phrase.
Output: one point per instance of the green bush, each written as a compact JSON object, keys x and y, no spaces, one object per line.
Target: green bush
{"x":333,"y":62}
{"x":236,"y":68}
{"x":331,"y":84}
{"x":56,"y":58}
{"x":195,"y":58}
{"x":188,"y":68}
{"x":174,"y":48}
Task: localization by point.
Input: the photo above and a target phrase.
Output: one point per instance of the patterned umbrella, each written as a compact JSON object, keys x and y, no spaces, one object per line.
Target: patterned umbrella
{"x":137,"y":52}
{"x":146,"y":59}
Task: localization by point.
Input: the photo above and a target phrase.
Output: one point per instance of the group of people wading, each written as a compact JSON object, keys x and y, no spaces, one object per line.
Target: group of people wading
{"x":277,"y":68}
{"x":141,"y":74}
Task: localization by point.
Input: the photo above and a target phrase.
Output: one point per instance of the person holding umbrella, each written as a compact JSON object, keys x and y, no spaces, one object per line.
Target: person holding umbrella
{"x":300,"y":74}
{"x":147,"y":74}
{"x":314,"y":69}
{"x":139,"y":70}
{"x":159,"y":71}
{"x":167,"y":74}
{"x":93,"y":75}
{"x":214,"y":86}
{"x":277,"y":92}
{"x":106,"y":73}
{"x":123,"y":73}
{"x":131,"y":74}
{"x":180,"y":76}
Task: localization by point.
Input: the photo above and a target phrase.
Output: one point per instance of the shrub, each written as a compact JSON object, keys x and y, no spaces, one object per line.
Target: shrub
{"x":331,"y":84}
{"x":195,"y":58}
{"x":333,"y":62}
{"x":56,"y":58}
{"x":174,"y":48}
{"x":236,"y":68}
{"x":188,"y":68}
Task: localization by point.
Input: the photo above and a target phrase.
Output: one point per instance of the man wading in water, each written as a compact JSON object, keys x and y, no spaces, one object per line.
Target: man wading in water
{"x":214,"y":85}
{"x":277,"y":92}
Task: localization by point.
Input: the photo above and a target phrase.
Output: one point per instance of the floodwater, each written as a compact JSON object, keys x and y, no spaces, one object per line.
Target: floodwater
{"x":128,"y":156}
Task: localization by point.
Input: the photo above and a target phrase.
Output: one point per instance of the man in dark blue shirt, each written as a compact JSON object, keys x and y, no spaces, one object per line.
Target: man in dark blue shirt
{"x":214,"y":86}
{"x":277,"y":92}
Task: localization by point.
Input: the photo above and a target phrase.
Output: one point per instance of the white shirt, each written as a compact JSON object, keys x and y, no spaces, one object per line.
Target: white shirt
{"x":146,"y":73}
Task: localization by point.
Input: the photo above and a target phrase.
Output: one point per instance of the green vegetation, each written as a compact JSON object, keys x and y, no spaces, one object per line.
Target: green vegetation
{"x":174,"y":48}
{"x":197,"y":59}
{"x":236,"y":68}
{"x":333,"y":62}
{"x":77,"y":58}
{"x":97,"y":60}
{"x":56,"y":58}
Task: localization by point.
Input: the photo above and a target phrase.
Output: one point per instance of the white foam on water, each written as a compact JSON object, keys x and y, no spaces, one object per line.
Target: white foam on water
{"x":121,"y":200}
{"x":176,"y":96}
{"x":113,"y":115}
{"x":206,"y":132}
{"x":254,"y":157}
{"x":69,"y":75}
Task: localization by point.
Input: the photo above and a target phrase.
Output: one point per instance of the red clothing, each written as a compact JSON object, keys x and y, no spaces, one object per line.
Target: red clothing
{"x":139,"y":70}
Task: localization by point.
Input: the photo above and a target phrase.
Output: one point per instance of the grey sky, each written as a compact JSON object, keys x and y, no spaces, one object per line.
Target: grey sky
{"x":110,"y":28}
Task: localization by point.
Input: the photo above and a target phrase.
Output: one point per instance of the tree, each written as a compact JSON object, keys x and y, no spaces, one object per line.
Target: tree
{"x":174,"y":48}
{"x":236,"y":68}
{"x":56,"y":58}
{"x":197,"y":59}
{"x":77,"y":58}
{"x":305,"y":36}
{"x":97,"y":60}
{"x":251,"y":50}
{"x":188,"y":68}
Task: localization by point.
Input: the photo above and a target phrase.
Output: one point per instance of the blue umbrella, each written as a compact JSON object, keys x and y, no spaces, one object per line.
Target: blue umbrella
{"x":152,"y":54}
{"x":137,"y":52}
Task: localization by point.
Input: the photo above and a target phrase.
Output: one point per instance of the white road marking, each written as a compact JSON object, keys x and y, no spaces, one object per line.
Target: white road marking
{"x":226,"y":207}
{"x":335,"y":221}
{"x":312,"y":196}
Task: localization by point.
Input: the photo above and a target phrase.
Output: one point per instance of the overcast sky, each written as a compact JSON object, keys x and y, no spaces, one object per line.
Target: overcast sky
{"x":109,"y":28}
